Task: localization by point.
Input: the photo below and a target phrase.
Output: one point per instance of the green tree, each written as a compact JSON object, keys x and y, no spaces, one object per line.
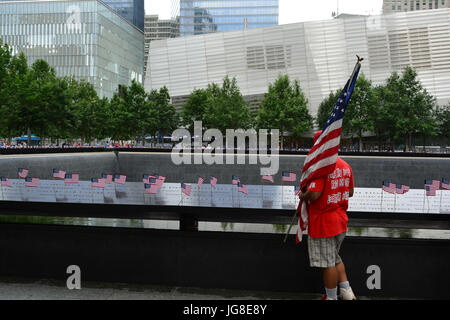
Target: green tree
{"x":84,"y":103}
{"x":285,"y":107}
{"x":13,"y":70}
{"x":325,"y":108}
{"x":416,"y":108}
{"x":361,"y":110}
{"x":442,"y":116}
{"x":226,"y":108}
{"x":195,"y":108}
{"x":163,"y":114}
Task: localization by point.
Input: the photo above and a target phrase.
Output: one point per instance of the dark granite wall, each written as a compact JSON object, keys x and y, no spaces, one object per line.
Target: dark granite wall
{"x":368,"y":171}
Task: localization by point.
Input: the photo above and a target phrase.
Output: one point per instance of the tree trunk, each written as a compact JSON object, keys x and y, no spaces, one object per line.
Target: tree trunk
{"x":360,"y":144}
{"x":29,"y":136}
{"x":407,"y":142}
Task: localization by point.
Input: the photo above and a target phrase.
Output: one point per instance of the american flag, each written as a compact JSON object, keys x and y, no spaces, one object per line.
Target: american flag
{"x":445,"y":184}
{"x":71,"y":178}
{"x":242,"y":188}
{"x":5,"y":182}
{"x":159,"y":177}
{"x":288,"y":176}
{"x":97,"y":183}
{"x":107,"y":177}
{"x":401,"y":189}
{"x":268,"y":178}
{"x":388,"y":187}
{"x":31,"y":182}
{"x":145,"y":178}
{"x":156,"y":181}
{"x":234,"y":180}
{"x":22,"y":173}
{"x":200,"y":182}
{"x":59,"y":174}
{"x":120,"y":178}
{"x":434,"y":184}
{"x":322,"y":157}
{"x":213,"y":181}
{"x":150,"y":188}
{"x":430,"y":191}
{"x":186,"y":189}
{"x":297,"y":190}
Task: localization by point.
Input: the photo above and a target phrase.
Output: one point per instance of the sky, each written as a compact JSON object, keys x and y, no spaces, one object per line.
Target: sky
{"x":291,"y":11}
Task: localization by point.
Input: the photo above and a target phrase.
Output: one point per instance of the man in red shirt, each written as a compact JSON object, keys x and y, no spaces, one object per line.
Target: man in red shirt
{"x":327,"y":204}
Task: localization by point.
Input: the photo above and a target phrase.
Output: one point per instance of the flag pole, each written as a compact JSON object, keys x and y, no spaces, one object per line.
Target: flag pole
{"x":395,"y":202}
{"x":424,"y":195}
{"x":290,"y":226}
{"x":350,"y":82}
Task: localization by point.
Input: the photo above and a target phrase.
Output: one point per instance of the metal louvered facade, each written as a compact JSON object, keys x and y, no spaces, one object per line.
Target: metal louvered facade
{"x":320,"y":54}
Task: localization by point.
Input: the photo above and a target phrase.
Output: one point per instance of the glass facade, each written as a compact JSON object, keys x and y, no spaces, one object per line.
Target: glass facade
{"x":207,"y":16}
{"x":132,"y":10}
{"x":84,"y":39}
{"x":319,"y":54}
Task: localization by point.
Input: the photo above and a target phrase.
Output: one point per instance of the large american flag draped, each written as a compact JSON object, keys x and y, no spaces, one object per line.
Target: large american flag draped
{"x":322,"y":157}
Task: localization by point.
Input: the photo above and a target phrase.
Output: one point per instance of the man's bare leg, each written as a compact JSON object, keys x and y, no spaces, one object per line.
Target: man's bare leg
{"x":342,"y":275}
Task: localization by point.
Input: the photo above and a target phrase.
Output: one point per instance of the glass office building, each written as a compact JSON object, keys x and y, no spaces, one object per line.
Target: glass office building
{"x":132,"y":10}
{"x":208,"y":16}
{"x":83,"y":38}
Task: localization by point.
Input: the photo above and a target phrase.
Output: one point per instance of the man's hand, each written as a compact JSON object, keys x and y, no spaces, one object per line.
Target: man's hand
{"x":310,"y":195}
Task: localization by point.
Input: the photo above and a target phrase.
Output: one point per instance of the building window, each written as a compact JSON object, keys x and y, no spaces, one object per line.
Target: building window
{"x":412,"y":5}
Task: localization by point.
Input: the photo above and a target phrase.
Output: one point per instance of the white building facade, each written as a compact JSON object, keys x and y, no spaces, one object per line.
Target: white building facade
{"x":320,"y":54}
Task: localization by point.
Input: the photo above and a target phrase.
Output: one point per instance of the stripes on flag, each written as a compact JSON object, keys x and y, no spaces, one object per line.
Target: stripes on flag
{"x":31,"y":182}
{"x":268,"y":178}
{"x":22,"y":172}
{"x":200,"y":182}
{"x":434,"y":184}
{"x":288,"y":176}
{"x":119,"y":178}
{"x":388,"y":187}
{"x":234,"y":180}
{"x":5,"y":182}
{"x":445,"y":184}
{"x":213,"y":181}
{"x":297,"y":190}
{"x":159,"y":177}
{"x":430,"y":191}
{"x":186,"y":189}
{"x":322,"y":157}
{"x":150,"y":188}
{"x":59,"y":174}
{"x":71,"y":178}
{"x":242,"y":188}
{"x":401,"y":189}
{"x":97,"y":183}
{"x":108,"y":178}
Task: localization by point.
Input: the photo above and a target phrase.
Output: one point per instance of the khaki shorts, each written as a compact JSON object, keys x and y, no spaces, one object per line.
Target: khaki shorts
{"x":324,"y":252}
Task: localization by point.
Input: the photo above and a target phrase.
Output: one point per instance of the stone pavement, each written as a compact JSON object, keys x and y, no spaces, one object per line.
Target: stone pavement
{"x":49,"y":289}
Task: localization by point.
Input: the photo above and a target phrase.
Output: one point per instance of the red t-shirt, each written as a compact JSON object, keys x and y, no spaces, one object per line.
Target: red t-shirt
{"x":328,"y":215}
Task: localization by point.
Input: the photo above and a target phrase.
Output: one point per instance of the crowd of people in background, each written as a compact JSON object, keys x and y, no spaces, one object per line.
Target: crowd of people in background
{"x":113,"y":144}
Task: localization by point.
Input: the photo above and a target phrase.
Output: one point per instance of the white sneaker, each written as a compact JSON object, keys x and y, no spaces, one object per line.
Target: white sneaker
{"x":346,"y":294}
